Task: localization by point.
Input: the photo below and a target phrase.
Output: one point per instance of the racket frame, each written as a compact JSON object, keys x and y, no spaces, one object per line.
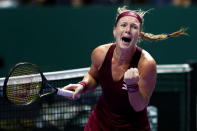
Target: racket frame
{"x":44,"y":84}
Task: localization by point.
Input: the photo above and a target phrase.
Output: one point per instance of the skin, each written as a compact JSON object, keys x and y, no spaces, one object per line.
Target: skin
{"x":144,"y":75}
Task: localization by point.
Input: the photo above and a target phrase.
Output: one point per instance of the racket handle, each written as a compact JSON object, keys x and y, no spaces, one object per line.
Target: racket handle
{"x":66,"y":93}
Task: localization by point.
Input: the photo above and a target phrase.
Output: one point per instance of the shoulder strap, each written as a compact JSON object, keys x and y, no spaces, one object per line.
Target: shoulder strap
{"x":136,"y":57}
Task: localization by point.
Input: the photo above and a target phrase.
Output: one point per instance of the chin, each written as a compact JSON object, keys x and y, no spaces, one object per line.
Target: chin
{"x":125,"y":45}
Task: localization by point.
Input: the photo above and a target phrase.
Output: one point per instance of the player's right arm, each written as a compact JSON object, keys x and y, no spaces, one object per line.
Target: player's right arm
{"x":97,"y":59}
{"x":91,"y":77}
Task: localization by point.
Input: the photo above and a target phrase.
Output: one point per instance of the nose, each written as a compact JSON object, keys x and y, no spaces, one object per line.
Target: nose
{"x":128,"y":30}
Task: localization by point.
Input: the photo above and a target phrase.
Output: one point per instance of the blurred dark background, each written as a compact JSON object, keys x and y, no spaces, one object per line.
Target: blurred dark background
{"x":61,"y":34}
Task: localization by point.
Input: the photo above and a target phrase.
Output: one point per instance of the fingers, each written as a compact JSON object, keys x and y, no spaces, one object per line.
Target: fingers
{"x":76,"y":94}
{"x":131,"y":73}
{"x":76,"y":88}
{"x":131,"y":76}
{"x":70,"y":87}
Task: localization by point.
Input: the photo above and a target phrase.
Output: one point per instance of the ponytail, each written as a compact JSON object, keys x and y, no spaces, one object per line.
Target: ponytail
{"x":152,"y":37}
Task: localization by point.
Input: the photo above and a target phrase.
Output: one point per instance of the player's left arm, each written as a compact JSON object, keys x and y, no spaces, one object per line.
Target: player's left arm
{"x":147,"y":79}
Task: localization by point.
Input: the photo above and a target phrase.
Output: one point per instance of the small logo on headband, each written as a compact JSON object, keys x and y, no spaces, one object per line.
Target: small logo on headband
{"x":132,"y":14}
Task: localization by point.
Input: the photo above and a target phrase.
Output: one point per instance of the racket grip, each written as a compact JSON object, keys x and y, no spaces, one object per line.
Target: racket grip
{"x":66,"y":93}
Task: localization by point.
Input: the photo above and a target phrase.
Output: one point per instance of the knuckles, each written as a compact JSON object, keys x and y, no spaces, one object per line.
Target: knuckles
{"x":131,"y":75}
{"x":132,"y":72}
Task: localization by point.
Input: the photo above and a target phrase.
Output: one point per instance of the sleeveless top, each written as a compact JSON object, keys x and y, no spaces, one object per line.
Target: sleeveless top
{"x":113,"y":111}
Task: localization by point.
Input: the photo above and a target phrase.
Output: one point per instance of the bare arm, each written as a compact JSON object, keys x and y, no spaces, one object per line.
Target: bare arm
{"x":147,"y":80}
{"x":97,"y":58}
{"x":90,"y":79}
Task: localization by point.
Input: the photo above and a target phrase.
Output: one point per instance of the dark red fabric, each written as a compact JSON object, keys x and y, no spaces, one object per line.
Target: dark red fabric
{"x":113,"y":111}
{"x":129,"y":13}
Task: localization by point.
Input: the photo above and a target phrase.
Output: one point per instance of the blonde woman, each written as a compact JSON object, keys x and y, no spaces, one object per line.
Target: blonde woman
{"x":127,"y":75}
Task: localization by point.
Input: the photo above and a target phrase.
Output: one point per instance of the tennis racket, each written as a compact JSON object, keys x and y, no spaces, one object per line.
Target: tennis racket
{"x":26,"y":83}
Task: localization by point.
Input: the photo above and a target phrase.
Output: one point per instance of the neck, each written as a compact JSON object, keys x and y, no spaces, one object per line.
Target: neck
{"x":123,"y":56}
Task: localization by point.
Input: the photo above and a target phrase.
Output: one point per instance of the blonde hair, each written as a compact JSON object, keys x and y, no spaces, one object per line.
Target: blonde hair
{"x":140,"y":12}
{"x":149,"y":36}
{"x":152,"y":37}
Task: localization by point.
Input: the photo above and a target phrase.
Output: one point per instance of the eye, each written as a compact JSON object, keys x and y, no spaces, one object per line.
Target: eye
{"x":123,"y":25}
{"x":135,"y":27}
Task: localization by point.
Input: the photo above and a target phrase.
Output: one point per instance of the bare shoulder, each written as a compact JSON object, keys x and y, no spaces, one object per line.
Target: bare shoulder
{"x":98,"y":54}
{"x":147,"y":63}
{"x":101,"y":49}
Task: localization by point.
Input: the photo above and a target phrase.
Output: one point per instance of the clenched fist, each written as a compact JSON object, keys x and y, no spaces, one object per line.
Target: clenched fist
{"x":131,"y":76}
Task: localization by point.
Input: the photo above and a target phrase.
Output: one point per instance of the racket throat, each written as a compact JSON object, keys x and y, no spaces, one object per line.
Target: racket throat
{"x":47,"y":90}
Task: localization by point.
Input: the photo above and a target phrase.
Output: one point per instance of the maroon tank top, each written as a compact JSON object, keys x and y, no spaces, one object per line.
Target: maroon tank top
{"x":113,"y":111}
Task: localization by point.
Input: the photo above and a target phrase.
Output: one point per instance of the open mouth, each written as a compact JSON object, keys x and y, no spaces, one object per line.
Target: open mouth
{"x":125,"y":39}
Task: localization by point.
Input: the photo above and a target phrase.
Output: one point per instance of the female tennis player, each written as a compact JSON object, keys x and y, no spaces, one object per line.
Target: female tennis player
{"x":127,"y":75}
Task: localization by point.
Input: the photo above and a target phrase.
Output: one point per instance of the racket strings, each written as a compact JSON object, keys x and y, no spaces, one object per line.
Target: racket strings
{"x":24,"y":70}
{"x":23,"y":90}
{"x":23,"y":94}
